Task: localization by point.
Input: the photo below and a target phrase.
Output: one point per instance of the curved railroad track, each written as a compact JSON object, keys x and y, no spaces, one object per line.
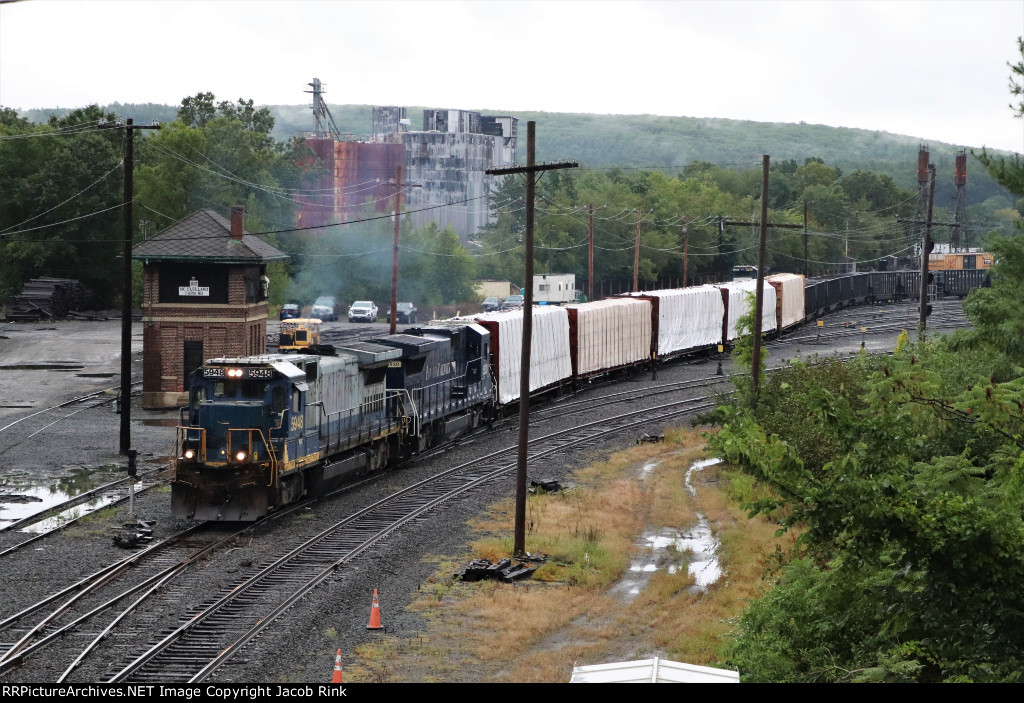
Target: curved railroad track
{"x":221,"y":628}
{"x":210,"y":634}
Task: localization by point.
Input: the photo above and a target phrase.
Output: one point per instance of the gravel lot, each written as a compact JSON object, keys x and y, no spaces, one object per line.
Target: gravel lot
{"x":302,"y":647}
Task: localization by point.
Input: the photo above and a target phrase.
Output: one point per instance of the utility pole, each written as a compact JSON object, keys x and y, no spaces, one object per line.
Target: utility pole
{"x":394,"y":253}
{"x":686,"y":247}
{"x":927,"y":244}
{"x":590,"y":255}
{"x":755,"y":371}
{"x":763,"y":226}
{"x":126,"y":280}
{"x":805,"y":240}
{"x":531,"y":170}
{"x":636,"y":254}
{"x":926,"y":249}
{"x":958,"y":237}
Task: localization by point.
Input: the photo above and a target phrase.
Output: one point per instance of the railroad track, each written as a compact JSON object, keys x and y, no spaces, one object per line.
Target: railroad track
{"x":63,"y":515}
{"x":213,"y":633}
{"x":76,"y":620}
{"x":87,"y":402}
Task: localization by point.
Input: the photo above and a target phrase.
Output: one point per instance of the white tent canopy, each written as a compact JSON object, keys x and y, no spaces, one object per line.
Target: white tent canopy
{"x":652,"y":671}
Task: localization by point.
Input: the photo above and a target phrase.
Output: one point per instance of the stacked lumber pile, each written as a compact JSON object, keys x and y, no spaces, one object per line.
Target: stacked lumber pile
{"x":50,"y":298}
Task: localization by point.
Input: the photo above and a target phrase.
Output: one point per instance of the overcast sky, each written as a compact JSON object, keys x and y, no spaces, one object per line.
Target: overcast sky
{"x":933,"y":70}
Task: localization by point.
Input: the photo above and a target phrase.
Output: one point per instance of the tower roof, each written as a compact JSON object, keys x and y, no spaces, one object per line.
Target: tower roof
{"x":205,"y":236}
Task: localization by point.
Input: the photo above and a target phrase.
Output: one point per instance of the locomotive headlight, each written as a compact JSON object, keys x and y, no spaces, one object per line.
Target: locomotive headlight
{"x":240,"y":456}
{"x":235,"y":373}
{"x":190,"y":454}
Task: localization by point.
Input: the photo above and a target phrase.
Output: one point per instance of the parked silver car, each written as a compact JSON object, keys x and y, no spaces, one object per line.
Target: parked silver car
{"x":326,"y":307}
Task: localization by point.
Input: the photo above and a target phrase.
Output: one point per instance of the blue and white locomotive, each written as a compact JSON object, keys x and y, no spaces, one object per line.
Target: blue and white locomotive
{"x":262,"y":431}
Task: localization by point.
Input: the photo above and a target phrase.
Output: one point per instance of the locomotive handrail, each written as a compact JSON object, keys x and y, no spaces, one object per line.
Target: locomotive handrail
{"x":268,"y":445}
{"x":398,"y":394}
{"x":179,"y":442}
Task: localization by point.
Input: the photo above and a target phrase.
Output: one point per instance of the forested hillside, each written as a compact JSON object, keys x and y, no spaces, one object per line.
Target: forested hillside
{"x":663,"y":143}
{"x":685,"y":183}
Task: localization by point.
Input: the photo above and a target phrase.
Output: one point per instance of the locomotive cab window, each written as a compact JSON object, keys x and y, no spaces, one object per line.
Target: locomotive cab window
{"x":277,"y":403}
{"x":225,"y":389}
{"x":254,"y":389}
{"x":198,"y":396}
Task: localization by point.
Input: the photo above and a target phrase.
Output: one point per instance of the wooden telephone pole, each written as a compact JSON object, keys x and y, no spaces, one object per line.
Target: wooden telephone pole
{"x":636,"y":254}
{"x":763,"y":225}
{"x":126,"y":280}
{"x":394,"y":253}
{"x":531,"y":170}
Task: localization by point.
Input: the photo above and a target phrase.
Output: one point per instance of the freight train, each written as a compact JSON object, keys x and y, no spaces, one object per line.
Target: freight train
{"x":262,"y":431}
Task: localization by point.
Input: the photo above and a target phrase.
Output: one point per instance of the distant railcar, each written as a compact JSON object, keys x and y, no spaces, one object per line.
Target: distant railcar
{"x":684,"y":320}
{"x":737,"y":298}
{"x":960,"y":261}
{"x":608,"y":335}
{"x":789,"y":297}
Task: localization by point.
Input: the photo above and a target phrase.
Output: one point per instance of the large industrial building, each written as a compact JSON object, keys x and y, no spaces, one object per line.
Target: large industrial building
{"x":446,"y":162}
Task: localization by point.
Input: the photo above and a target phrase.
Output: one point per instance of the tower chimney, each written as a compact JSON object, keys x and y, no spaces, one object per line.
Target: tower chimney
{"x":237,"y":216}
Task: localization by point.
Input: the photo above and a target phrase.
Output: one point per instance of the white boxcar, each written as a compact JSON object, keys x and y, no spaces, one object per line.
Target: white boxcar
{"x":609,"y":334}
{"x":789,"y":307}
{"x":737,"y":305}
{"x":550,"y":359}
{"x":685,"y":319}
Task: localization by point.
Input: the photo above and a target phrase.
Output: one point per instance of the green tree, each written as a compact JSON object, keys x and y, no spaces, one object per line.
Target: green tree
{"x":62,"y":187}
{"x":441,"y":270}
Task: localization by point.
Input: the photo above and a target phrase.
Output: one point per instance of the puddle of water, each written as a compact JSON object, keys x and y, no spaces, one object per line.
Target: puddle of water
{"x":647,"y":468}
{"x":698,"y":466}
{"x":55,"y":521}
{"x":20,"y":497}
{"x":671,"y":549}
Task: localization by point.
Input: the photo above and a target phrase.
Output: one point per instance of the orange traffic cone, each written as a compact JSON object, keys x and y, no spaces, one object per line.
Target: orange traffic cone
{"x":337,"y":669}
{"x":374,"y":614}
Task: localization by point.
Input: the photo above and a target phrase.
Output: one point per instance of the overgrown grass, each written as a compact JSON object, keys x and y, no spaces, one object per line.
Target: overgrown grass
{"x":536,"y":630}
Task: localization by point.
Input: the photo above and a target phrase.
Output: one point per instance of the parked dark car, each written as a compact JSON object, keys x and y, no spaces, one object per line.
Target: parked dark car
{"x":405,"y":314}
{"x":513,"y":302}
{"x":493,"y":304}
{"x":290,"y":311}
